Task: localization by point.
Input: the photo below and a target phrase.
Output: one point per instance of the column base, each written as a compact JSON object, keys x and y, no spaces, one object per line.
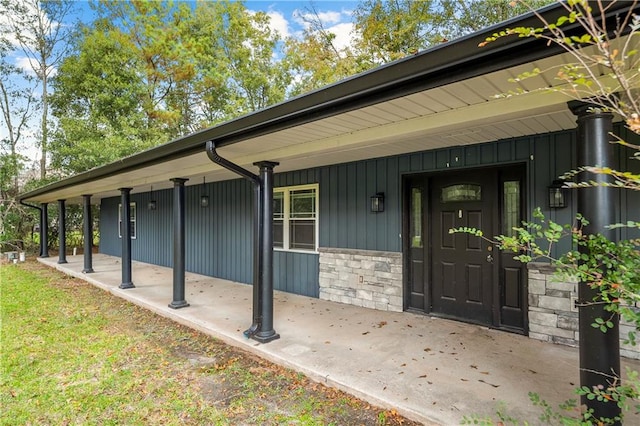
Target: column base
{"x":87,"y":271}
{"x":178,"y":304}
{"x":125,"y":286}
{"x":62,"y":261}
{"x":265,"y":336}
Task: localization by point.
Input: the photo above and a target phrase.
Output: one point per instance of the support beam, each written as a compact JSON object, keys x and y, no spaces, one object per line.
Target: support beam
{"x":44,"y":231}
{"x":62,"y":232}
{"x":88,"y":234}
{"x":178,"y":244}
{"x":125,"y":232}
{"x":599,"y":352}
{"x":266,"y":333}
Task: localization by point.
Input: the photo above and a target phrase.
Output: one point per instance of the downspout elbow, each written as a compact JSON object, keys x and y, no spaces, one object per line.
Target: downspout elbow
{"x":223,"y":162}
{"x":30,"y":205}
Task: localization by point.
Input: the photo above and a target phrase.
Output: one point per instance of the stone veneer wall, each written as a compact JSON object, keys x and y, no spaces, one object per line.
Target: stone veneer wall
{"x":372,"y":279}
{"x":553,"y":316}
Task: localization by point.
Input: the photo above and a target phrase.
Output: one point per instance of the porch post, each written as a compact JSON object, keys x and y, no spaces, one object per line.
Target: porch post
{"x":62,"y":233}
{"x":44,"y":230}
{"x":125,"y":232}
{"x":178,"y":244}
{"x":599,"y":352}
{"x":266,"y":333}
{"x":88,"y":234}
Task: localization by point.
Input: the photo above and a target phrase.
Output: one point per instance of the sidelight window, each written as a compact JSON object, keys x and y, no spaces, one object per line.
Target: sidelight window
{"x":295,"y":218}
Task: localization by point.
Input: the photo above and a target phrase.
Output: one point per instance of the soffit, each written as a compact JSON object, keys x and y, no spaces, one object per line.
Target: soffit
{"x":462,"y":113}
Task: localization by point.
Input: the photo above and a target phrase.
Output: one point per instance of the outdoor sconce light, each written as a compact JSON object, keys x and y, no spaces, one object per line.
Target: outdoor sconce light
{"x":152,"y":205}
{"x":204,"y":199}
{"x":557,"y":195}
{"x":377,"y":202}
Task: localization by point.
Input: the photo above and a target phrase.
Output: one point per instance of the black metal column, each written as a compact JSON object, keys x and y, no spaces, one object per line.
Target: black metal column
{"x":125,"y":232}
{"x":599,"y":352}
{"x":88,"y":234}
{"x":178,"y":244}
{"x":257,"y":261}
{"x":62,"y":232}
{"x":266,"y":333}
{"x":44,"y":231}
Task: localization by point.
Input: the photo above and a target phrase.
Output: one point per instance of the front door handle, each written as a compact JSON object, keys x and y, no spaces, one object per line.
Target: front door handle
{"x":490,"y":259}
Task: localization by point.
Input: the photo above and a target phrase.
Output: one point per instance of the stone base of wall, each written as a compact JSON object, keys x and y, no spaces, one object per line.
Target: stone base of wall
{"x":372,"y":279}
{"x":553,"y":316}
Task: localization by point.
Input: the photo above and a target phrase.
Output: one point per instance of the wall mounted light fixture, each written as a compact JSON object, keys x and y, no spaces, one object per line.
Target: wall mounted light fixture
{"x":557,"y":195}
{"x":377,"y":202}
{"x":152,"y":205}
{"x":204,"y":199}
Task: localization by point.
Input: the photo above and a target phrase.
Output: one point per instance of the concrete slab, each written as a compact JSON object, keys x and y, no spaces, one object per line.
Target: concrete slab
{"x":431,"y":370}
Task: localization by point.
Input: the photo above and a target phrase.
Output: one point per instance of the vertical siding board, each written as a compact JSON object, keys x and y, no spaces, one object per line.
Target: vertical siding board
{"x":415,"y":162}
{"x":522,"y":150}
{"x":393,"y":212}
{"x":442,"y":159}
{"x":429,"y":160}
{"x":340,"y":218}
{"x":505,"y":151}
{"x":471,"y":156}
{"x":371,"y":219}
{"x":487,"y":152}
{"x":363,"y":200}
{"x":351,"y":206}
{"x":455,"y":155}
{"x":403,"y":163}
{"x":382,"y":218}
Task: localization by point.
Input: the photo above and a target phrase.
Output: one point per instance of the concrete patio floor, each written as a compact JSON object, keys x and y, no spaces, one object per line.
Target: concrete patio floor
{"x":428,"y":369}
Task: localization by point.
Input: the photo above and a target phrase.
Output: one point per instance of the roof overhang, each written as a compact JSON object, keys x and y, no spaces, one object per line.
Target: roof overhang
{"x":445,"y":96}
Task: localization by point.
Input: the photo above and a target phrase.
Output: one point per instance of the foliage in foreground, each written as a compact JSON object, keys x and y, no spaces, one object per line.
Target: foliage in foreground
{"x":73,"y":354}
{"x":603,"y":70}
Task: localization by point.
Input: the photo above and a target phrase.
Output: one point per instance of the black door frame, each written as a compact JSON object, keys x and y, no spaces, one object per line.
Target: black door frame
{"x":426,"y":177}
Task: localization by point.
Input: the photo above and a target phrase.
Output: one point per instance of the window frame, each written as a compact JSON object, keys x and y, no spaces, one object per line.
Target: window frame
{"x":133,"y":210}
{"x":286,"y":217}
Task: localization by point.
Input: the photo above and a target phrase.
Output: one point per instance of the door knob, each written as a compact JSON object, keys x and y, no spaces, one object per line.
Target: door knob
{"x":490,"y":259}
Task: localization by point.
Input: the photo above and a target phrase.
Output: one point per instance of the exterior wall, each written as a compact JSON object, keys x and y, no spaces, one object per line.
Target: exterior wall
{"x":553,"y":316}
{"x":219,"y":238}
{"x":371,"y":279}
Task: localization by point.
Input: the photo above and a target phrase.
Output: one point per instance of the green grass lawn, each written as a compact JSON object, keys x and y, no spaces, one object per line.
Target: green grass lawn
{"x":74,"y":354}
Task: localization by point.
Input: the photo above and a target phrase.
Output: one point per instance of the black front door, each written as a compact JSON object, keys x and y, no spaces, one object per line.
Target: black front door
{"x":462,"y":264}
{"x":456,"y":274}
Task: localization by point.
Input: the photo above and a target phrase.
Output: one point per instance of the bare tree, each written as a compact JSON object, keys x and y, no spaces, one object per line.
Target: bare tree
{"x":38,"y":29}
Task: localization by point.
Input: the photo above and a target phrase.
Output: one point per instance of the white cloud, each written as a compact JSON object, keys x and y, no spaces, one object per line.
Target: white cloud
{"x":278,"y":23}
{"x":343,"y":33}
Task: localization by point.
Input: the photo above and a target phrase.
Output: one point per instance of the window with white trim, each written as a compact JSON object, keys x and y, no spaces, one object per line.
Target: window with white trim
{"x":295,"y":218}
{"x":132,"y":212}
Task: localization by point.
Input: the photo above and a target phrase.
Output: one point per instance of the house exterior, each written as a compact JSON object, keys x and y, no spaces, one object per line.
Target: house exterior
{"x":371,"y":174}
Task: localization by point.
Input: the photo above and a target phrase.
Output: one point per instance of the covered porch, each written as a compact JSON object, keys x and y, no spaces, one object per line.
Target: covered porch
{"x":431,"y":370}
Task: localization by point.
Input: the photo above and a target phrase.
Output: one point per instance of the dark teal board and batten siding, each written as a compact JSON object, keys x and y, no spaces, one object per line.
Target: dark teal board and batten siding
{"x":219,"y":238}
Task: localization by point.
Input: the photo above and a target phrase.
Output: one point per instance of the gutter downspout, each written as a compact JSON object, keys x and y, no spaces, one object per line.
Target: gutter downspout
{"x":258,"y":225}
{"x":42,"y":229}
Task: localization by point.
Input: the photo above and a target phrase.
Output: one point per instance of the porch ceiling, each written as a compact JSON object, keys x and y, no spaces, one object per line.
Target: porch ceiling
{"x":457,"y":114}
{"x":462,"y":113}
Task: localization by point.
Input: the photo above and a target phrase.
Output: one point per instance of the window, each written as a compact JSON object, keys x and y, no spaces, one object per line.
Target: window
{"x":461,"y":192}
{"x":295,"y":218}
{"x":132,"y":210}
{"x":511,"y":207}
